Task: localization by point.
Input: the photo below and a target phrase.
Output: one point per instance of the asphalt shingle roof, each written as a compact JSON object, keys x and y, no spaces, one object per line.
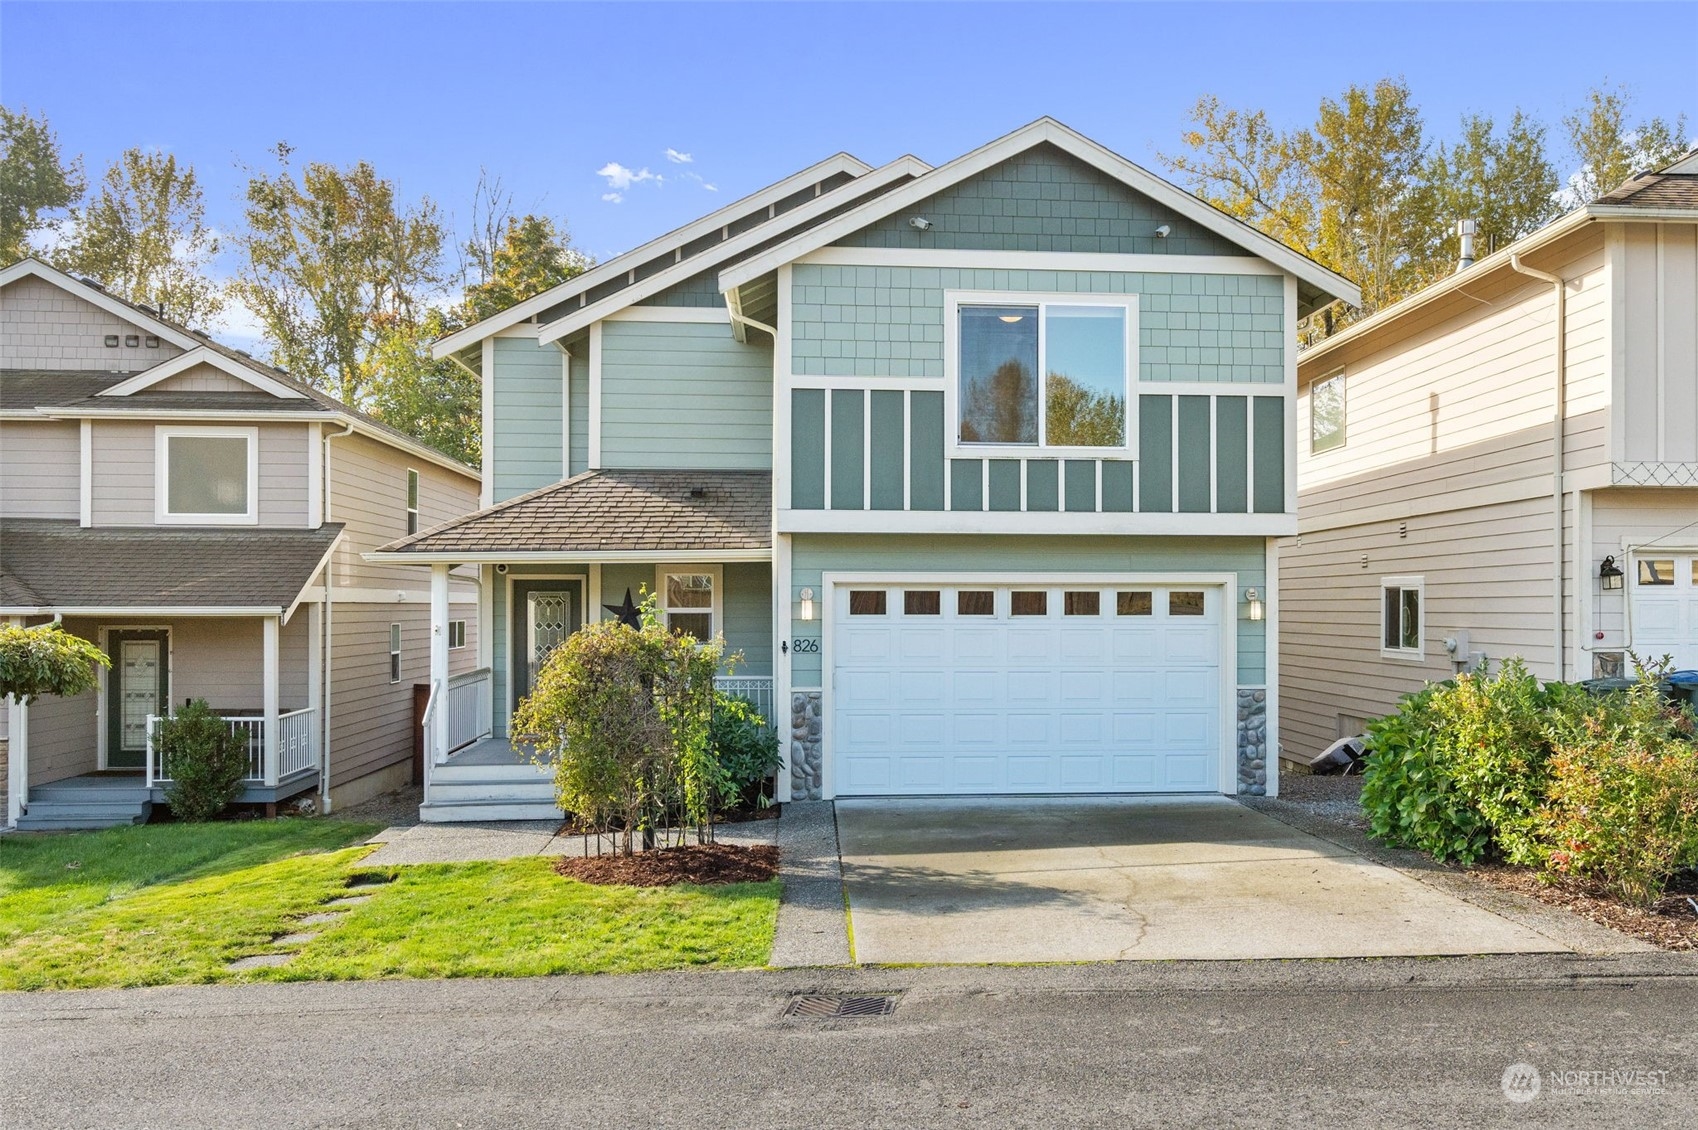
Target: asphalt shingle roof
{"x":1655,"y":190}
{"x":616,"y":510}
{"x":43,"y":388}
{"x":60,"y":564}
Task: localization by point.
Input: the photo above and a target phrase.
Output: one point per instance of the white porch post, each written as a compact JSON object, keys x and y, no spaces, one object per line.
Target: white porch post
{"x":17,"y":759}
{"x":315,"y":672}
{"x":436,"y":741}
{"x":272,"y":735}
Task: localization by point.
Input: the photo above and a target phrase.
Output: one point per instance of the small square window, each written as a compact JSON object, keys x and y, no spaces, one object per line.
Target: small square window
{"x":1184,"y":604}
{"x":866,"y":602}
{"x":975,"y":602}
{"x":456,"y":634}
{"x":1028,"y":603}
{"x":1656,"y":571}
{"x":1134,"y":603}
{"x":688,"y":601}
{"x":922,"y":602}
{"x":1084,"y":603}
{"x":1400,"y":617}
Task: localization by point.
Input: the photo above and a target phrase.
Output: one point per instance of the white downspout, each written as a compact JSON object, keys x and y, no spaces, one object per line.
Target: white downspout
{"x":329,"y":634}
{"x":1557,"y":457}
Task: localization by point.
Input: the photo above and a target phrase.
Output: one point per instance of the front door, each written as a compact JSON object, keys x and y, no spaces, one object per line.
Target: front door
{"x":138,"y":685}
{"x":544,"y":614}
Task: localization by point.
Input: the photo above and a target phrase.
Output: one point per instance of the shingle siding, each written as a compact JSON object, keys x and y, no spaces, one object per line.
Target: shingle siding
{"x":43,"y":327}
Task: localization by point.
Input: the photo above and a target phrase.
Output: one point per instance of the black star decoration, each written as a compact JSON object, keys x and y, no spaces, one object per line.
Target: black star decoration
{"x":626,"y":613}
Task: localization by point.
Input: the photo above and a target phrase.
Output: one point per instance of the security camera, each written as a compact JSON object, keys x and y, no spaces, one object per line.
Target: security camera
{"x":920,"y":223}
{"x":502,"y":568}
{"x":1165,"y":230}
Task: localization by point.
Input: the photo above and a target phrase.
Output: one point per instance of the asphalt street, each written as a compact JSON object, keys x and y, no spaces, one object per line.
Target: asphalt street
{"x":1383,"y":1043}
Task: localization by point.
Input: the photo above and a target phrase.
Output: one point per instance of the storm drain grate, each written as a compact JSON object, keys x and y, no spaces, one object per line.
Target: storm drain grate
{"x":825,"y":1006}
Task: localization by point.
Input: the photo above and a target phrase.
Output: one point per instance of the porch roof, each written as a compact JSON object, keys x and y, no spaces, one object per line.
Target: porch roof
{"x":60,"y":566}
{"x":612,"y":511}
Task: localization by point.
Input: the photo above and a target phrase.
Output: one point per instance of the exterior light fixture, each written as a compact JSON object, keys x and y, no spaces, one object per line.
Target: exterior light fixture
{"x":1609,"y":575}
{"x":807,"y":604}
{"x":1253,"y":598}
{"x":112,"y":341}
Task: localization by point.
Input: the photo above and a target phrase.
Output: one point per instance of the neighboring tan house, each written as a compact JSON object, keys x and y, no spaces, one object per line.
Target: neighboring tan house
{"x":1437,"y":527}
{"x":202,"y":517}
{"x":813,"y":422}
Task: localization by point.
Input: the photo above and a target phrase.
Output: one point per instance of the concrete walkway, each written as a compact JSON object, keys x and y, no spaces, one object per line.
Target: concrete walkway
{"x":1114,"y":879}
{"x":813,"y":928}
{"x":514,"y":839}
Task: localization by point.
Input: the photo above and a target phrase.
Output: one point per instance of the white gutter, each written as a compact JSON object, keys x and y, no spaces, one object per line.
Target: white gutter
{"x":324,"y":682}
{"x":1561,"y":346}
{"x":570,"y":556}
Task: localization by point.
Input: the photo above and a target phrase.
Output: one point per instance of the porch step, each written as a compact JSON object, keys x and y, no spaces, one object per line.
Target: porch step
{"x":477,"y":811}
{"x":116,"y":793}
{"x":484,"y":791}
{"x":52,"y":816}
{"x":521,"y":773}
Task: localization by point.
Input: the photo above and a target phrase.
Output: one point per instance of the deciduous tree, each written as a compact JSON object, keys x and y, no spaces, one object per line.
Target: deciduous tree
{"x":35,"y":181}
{"x":1608,"y":150}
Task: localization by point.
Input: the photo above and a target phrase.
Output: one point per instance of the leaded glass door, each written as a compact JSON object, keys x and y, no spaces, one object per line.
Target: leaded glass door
{"x":137,"y":686}
{"x":544,"y":613}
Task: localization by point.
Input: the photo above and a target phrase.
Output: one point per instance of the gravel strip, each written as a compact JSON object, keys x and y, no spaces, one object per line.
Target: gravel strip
{"x":813,"y":927}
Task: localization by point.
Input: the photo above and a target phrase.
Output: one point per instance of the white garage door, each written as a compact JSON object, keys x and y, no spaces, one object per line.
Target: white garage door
{"x":1001,"y":688}
{"x":1665,"y":608}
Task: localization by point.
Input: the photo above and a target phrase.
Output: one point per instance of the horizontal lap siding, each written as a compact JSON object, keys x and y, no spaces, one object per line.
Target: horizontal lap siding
{"x":64,"y":733}
{"x":748,"y":616}
{"x":40,"y":469}
{"x":368,"y":495}
{"x":684,"y":395}
{"x":123,"y":461}
{"x":1624,"y":518}
{"x":372,"y":718}
{"x":526,"y":452}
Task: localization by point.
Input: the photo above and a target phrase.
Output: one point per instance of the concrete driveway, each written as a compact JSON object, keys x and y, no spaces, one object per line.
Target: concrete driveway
{"x":1024,"y":880}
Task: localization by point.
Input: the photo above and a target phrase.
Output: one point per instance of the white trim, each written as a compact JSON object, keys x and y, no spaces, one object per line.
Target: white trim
{"x":486,"y":442}
{"x":486,"y":615}
{"x":315,"y":475}
{"x":1084,"y":261}
{"x":565,"y":411}
{"x":903,"y":168}
{"x":1288,"y":347}
{"x":783,"y":382}
{"x":593,"y":609}
{"x":953,"y":448}
{"x":594,"y":421}
{"x":1227,"y":769}
{"x":503,"y":708}
{"x":163,"y":434}
{"x":1066,"y":522}
{"x":1210,"y":388}
{"x":1076,"y":145}
{"x":270,"y":667}
{"x":1270,"y":661}
{"x":1415,"y":654}
{"x":882,"y":384}
{"x":573,"y":557}
{"x":195,"y":611}
{"x":321,"y":570}
{"x":32,"y":268}
{"x":699,"y":315}
{"x":673,"y":240}
{"x":784,"y":627}
{"x":382,"y":596}
{"x":716,"y":610}
{"x":85,"y":472}
{"x":204,"y":355}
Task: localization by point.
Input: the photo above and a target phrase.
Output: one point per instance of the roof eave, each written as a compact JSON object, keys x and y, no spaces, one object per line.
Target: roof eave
{"x":567,"y":556}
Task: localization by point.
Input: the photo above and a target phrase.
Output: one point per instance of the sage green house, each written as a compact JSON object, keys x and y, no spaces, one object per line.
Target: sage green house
{"x":978,"y":466}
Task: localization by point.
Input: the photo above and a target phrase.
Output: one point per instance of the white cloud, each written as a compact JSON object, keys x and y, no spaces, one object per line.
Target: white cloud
{"x":678,"y":158}
{"x":613,"y":197}
{"x":710,"y":187}
{"x":619,"y":178}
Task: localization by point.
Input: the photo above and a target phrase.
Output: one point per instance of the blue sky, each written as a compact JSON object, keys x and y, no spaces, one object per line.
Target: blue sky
{"x":545,"y":95}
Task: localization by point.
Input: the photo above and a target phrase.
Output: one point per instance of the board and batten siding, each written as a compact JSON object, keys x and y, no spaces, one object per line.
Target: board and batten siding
{"x":950,"y":558}
{"x":43,"y":327}
{"x":1656,"y":307}
{"x":123,"y":461}
{"x":40,"y":469}
{"x":684,"y":394}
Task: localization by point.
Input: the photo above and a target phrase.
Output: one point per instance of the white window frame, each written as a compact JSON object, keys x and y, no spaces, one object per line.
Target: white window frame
{"x":1419,"y":586}
{"x":953,"y":300}
{"x":415,"y":489}
{"x":395,"y":653}
{"x":717,"y":610}
{"x":456,"y":630}
{"x":163,"y":434}
{"x":1344,"y":405}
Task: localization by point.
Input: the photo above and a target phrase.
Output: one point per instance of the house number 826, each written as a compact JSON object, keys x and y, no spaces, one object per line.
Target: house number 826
{"x":805,"y":647}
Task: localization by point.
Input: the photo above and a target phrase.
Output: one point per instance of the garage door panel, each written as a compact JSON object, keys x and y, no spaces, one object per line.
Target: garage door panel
{"x":944,"y":703}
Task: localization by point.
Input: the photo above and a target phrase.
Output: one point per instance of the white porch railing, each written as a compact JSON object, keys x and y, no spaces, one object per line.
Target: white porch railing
{"x":756,"y":688}
{"x":296,"y":749}
{"x":471,"y":709}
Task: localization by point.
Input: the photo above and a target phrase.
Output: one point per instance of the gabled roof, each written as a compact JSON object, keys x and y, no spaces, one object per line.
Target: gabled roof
{"x":610,"y":512}
{"x":1047,"y":130}
{"x":180,"y":336}
{"x":672,"y":242}
{"x":52,"y":565}
{"x":246,"y":372}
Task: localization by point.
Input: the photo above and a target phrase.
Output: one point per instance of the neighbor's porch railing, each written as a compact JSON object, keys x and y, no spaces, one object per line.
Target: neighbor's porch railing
{"x":296,"y":750}
{"x":756,"y":688}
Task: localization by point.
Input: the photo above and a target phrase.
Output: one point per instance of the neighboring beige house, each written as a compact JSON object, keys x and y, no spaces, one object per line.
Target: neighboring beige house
{"x":203,"y":518}
{"x":1444,"y":517}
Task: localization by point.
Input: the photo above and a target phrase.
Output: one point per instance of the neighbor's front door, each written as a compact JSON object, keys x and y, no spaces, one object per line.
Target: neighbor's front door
{"x":139,"y":685}
{"x":544,"y":614}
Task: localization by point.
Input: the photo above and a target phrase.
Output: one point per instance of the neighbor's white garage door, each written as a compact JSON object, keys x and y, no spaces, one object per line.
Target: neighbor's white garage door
{"x":989,"y":688}
{"x":1665,"y":608}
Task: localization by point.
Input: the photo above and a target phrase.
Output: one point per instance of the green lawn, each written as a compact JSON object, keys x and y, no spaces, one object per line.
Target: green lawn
{"x":174,"y":904}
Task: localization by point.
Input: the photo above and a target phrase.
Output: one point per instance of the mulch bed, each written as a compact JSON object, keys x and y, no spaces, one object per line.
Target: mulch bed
{"x":1671,"y":924}
{"x":697,"y":864}
{"x":572,"y":827}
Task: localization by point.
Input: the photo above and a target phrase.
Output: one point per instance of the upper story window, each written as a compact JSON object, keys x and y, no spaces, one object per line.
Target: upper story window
{"x":1043,"y":373}
{"x":689,"y":600}
{"x":1326,"y":414}
{"x":412,"y":501}
{"x":1401,"y":617}
{"x":207,"y":476}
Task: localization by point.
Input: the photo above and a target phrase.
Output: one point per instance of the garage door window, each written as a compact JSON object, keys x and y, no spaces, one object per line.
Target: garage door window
{"x":866,"y":602}
{"x":1085,"y":603}
{"x":922,"y":602}
{"x":1184,"y":604}
{"x":1029,"y":603}
{"x":1656,"y":571}
{"x":1135,"y":603}
{"x":975,"y":602}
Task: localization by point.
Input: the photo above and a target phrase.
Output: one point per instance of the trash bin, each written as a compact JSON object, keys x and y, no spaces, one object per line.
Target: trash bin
{"x":1606,"y":686}
{"x":1682,"y":686}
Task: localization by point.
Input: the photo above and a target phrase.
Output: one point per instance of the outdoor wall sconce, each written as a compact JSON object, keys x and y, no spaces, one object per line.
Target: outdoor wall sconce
{"x":1254,"y":599}
{"x":1609,"y":575}
{"x":807,"y":604}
